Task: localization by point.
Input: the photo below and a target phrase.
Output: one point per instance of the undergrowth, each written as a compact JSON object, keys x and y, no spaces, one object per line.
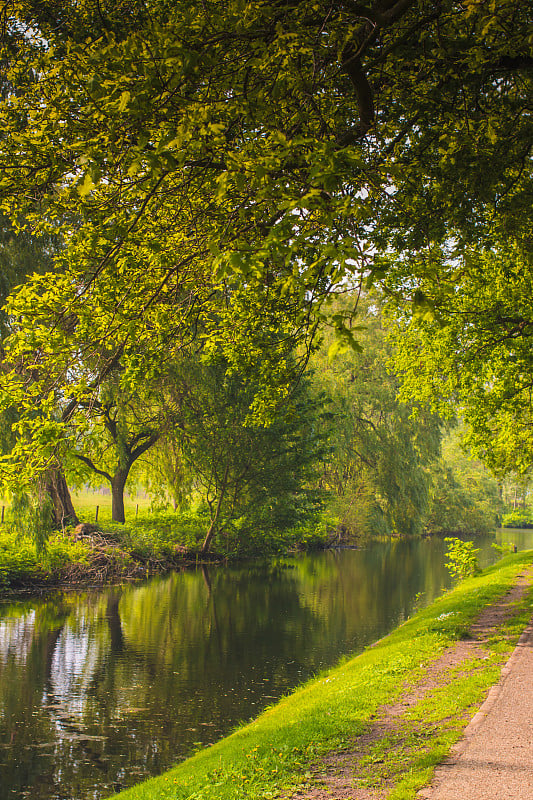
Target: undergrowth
{"x":23,"y":562}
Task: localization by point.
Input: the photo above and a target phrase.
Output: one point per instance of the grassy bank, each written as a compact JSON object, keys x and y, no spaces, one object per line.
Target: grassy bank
{"x":276,"y":753}
{"x":147,"y":544}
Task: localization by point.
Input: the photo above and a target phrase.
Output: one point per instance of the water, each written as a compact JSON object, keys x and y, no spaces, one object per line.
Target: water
{"x":99,"y":690}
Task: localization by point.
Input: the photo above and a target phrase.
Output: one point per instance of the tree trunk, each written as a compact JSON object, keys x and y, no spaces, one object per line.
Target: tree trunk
{"x":63,"y":512}
{"x":117,"y":496}
{"x":214,"y":517}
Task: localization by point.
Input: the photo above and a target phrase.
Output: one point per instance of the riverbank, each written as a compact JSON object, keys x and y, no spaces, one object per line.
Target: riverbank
{"x":95,"y":555}
{"x":288,"y":748}
{"x":73,"y":560}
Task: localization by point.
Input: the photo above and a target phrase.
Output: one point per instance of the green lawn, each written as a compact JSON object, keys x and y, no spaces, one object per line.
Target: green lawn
{"x":87,"y":501}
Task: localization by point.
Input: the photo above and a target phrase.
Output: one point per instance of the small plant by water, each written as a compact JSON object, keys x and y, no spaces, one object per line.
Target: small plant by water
{"x":461,"y":558}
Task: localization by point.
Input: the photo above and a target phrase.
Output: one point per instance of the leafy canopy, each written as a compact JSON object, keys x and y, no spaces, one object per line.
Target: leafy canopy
{"x":473,"y":355}
{"x":186,"y":149}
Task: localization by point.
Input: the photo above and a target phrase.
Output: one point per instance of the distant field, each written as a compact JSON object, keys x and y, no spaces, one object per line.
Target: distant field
{"x":85,"y":503}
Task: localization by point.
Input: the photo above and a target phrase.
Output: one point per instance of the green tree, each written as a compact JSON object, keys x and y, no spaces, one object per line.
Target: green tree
{"x":247,"y":428}
{"x":121,"y":429}
{"x":472,"y":356}
{"x":182,"y":146}
{"x":79,"y":402}
{"x":380,"y":459}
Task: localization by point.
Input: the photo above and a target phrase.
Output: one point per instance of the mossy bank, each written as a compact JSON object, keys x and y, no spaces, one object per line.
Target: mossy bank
{"x":279,"y":752}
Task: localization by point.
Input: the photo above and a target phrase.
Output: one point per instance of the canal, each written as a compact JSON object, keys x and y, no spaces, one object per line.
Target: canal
{"x":101,"y":689}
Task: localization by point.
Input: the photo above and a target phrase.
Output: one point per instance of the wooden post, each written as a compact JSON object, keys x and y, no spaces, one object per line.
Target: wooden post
{"x":96,"y":517}
{"x":137,"y":511}
{"x":3,"y":509}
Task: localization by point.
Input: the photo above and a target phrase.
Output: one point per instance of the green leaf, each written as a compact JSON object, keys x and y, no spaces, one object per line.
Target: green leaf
{"x":124,"y":100}
{"x":85,"y":187}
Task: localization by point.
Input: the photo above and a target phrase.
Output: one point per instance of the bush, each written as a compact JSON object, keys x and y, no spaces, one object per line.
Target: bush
{"x":462,"y":558}
{"x":22,"y":561}
{"x":518,"y":519}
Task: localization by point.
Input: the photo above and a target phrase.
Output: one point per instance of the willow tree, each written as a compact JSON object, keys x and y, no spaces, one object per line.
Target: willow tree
{"x":247,"y":424}
{"x":381,"y":460}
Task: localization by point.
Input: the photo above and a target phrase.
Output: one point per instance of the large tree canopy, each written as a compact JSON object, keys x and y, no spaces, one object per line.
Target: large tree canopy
{"x":184,"y":148}
{"x":267,"y":137}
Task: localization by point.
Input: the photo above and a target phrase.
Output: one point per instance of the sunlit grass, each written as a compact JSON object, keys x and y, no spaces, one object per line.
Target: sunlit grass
{"x":87,"y":502}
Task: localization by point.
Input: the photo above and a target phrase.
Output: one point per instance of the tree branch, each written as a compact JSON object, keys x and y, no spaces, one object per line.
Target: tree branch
{"x":92,"y":466}
{"x":142,"y":448}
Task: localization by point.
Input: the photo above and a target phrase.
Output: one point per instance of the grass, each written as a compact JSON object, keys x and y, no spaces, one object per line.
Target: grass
{"x":279,"y":751}
{"x":86,"y":501}
{"x":22,"y":563}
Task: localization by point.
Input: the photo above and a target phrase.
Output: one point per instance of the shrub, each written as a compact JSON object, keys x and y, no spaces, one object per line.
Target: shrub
{"x":462,"y":558}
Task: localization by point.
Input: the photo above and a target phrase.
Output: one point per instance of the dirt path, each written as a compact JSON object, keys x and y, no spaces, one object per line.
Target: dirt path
{"x":360,"y":774}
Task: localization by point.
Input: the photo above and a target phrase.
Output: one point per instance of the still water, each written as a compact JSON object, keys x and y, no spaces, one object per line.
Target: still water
{"x":99,"y":690}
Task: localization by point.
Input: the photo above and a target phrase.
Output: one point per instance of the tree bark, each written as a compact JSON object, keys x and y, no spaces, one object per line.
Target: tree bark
{"x":214,"y":518}
{"x":63,"y":512}
{"x":117,"y":496}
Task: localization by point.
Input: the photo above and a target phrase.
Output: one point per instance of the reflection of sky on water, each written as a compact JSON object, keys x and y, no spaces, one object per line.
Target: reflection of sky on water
{"x":16,"y":636}
{"x":76,"y":655}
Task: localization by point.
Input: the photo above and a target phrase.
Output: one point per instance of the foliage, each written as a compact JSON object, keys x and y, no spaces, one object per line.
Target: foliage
{"x":516,"y":490}
{"x":474,"y":356}
{"x":181,"y":148}
{"x":42,"y":501}
{"x":160,"y":535}
{"x":464,"y":495}
{"x":246,"y":427}
{"x":518,"y":519}
{"x":17,"y":559}
{"x":462,"y":558}
{"x":117,"y":118}
{"x":164,"y":474}
{"x":457,"y":508}
{"x":116,"y":399}
{"x":186,"y":152}
{"x":22,"y":563}
{"x":379,"y":460}
{"x":32,"y":517}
